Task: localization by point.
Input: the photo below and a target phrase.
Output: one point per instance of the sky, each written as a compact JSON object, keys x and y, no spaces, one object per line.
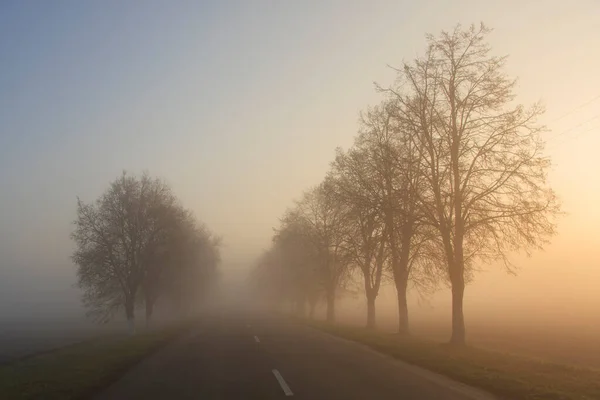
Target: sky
{"x":239,"y":106}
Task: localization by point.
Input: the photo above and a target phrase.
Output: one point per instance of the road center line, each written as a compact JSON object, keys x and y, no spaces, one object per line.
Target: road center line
{"x":256,"y":339}
{"x":284,"y":386}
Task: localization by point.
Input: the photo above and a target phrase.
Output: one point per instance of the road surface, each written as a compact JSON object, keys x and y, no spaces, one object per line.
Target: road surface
{"x":255,"y":356}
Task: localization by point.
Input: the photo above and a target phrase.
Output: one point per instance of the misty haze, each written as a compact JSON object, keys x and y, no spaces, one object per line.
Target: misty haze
{"x":320,"y":200}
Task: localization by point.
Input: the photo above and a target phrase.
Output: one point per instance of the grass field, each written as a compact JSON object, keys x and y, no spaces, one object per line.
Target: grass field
{"x":566,"y":344}
{"x":563,"y":338}
{"x":505,"y":374}
{"x":76,"y":371}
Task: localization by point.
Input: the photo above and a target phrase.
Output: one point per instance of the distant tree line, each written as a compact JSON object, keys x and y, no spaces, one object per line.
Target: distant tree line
{"x":136,"y":244}
{"x":445,"y":173}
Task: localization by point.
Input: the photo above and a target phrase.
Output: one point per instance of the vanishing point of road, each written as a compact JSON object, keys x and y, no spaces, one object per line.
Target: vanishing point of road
{"x":245,"y":356}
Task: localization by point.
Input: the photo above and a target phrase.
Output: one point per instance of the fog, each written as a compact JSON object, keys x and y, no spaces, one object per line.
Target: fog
{"x":239,"y":107}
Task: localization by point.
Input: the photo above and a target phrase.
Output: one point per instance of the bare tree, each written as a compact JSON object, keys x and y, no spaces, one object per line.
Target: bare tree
{"x":364,"y":242}
{"x":299,"y":257}
{"x":161,"y":259}
{"x":323,"y":220}
{"x":482,"y":159}
{"x":114,"y":238}
{"x":182,"y":263}
{"x":288,"y":272}
{"x":382,"y":172}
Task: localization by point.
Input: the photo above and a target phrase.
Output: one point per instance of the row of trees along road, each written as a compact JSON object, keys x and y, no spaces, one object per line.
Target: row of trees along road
{"x":136,"y":244}
{"x":445,"y":173}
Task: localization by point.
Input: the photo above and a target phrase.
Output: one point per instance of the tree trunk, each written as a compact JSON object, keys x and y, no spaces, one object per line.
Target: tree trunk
{"x":400,"y":267}
{"x":331,"y":306}
{"x":402,"y":308}
{"x":371,"y":311}
{"x":129,"y":313}
{"x":458,"y":337}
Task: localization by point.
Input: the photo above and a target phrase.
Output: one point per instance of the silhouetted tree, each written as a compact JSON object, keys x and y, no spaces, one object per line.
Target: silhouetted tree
{"x":483,"y":169}
{"x":298,"y":258}
{"x":114,"y":235}
{"x":183,"y":264}
{"x":197,"y":272}
{"x":135,"y":236}
{"x":352,"y":185}
{"x":380,"y":175}
{"x":325,"y":226}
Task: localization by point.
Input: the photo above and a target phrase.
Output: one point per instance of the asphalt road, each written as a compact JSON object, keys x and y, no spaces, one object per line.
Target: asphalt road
{"x":256,"y":356}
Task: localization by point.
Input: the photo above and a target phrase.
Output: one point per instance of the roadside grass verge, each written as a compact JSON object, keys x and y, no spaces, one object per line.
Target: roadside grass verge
{"x":506,"y":375}
{"x":79,"y":370}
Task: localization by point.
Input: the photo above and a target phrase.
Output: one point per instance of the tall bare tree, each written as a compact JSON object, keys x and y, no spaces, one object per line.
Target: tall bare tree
{"x":481,"y":155}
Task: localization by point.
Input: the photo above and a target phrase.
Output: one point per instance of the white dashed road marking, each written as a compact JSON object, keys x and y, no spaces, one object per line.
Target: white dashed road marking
{"x":256,"y":339}
{"x":284,"y":386}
